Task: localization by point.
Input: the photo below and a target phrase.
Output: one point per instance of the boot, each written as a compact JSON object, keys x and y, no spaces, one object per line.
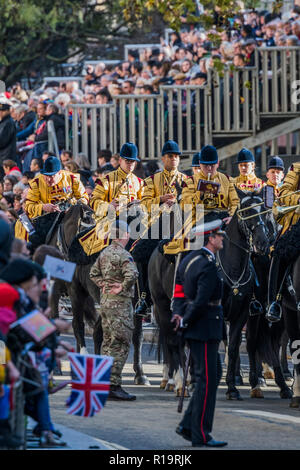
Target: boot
{"x":274,"y":311}
{"x":116,"y":392}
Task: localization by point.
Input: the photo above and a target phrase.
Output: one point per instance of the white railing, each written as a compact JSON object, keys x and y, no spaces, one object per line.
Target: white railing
{"x":232,"y":101}
{"x":138,"y":120}
{"x":184,"y":116}
{"x":90,"y":128}
{"x":279,"y":72}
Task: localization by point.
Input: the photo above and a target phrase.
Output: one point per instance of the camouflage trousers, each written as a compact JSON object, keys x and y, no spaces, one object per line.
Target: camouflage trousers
{"x":117,"y":325}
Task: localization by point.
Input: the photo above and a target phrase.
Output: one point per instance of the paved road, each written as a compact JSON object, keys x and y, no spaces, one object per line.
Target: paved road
{"x":149,"y":422}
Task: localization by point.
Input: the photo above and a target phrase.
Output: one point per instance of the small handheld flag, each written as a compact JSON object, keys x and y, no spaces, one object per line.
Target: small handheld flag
{"x":90,"y":383}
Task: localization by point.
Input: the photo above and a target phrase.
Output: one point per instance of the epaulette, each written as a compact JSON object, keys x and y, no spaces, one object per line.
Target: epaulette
{"x":208,"y":256}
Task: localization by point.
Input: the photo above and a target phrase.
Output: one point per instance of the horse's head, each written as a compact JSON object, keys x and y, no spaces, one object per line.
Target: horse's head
{"x":86,"y":217}
{"x":251,"y":220}
{"x":77,"y":218}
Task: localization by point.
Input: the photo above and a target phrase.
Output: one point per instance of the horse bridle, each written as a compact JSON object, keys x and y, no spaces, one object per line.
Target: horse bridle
{"x":248,"y":232}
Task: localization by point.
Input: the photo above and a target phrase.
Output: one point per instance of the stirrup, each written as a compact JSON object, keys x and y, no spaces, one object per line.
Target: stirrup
{"x":142,"y":306}
{"x":255,"y":308}
{"x":274,"y":312}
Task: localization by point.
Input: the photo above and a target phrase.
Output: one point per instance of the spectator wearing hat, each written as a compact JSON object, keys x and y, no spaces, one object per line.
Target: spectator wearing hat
{"x":7,"y":134}
{"x":247,"y":180}
{"x":275,"y":174}
{"x":52,"y":186}
{"x":210,"y":196}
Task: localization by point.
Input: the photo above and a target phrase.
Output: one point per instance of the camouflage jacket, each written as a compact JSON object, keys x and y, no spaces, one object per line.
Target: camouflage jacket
{"x":115,"y":265}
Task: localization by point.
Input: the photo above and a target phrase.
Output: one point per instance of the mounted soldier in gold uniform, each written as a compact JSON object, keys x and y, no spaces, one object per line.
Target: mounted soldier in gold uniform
{"x":207,"y":189}
{"x":287,"y":246}
{"x":113,"y":193}
{"x":275,"y":174}
{"x":52,"y":187}
{"x":247,"y":179}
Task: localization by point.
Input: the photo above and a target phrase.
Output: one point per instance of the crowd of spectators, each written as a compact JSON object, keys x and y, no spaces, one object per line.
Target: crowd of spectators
{"x":185,"y":59}
{"x":23,"y":289}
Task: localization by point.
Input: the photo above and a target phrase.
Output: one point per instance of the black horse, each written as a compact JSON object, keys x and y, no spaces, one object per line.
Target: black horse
{"x":245,"y":236}
{"x":54,"y":234}
{"x":288,"y":248}
{"x":69,"y":226}
{"x":262,"y":336}
{"x":291,"y":312}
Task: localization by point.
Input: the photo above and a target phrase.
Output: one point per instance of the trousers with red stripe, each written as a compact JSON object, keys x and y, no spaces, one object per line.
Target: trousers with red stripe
{"x":198,"y":418}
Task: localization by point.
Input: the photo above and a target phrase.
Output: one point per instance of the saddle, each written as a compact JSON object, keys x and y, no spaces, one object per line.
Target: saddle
{"x":76,"y":253}
{"x":44,"y":227}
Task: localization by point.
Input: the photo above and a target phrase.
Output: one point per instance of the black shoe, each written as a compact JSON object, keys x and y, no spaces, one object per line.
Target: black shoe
{"x":211,"y":443}
{"x":274,"y":312}
{"x":117,"y":393}
{"x":183,"y":432}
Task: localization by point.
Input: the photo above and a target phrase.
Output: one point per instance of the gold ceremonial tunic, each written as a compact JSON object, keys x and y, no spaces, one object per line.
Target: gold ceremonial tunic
{"x":226,"y":200}
{"x":20,"y":231}
{"x":291,"y":183}
{"x":124,"y":187}
{"x":248,"y":182}
{"x":160,"y":184}
{"x":119,"y":185}
{"x":68,"y":187}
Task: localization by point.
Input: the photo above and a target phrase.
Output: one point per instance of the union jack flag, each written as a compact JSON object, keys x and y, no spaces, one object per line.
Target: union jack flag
{"x":90,"y":383}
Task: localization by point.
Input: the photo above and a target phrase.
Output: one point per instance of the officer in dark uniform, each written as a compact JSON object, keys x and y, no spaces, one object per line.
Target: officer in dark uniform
{"x":197,"y":309}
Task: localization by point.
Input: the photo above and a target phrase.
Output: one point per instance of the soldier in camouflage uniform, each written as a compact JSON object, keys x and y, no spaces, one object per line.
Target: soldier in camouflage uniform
{"x":115,"y":273}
